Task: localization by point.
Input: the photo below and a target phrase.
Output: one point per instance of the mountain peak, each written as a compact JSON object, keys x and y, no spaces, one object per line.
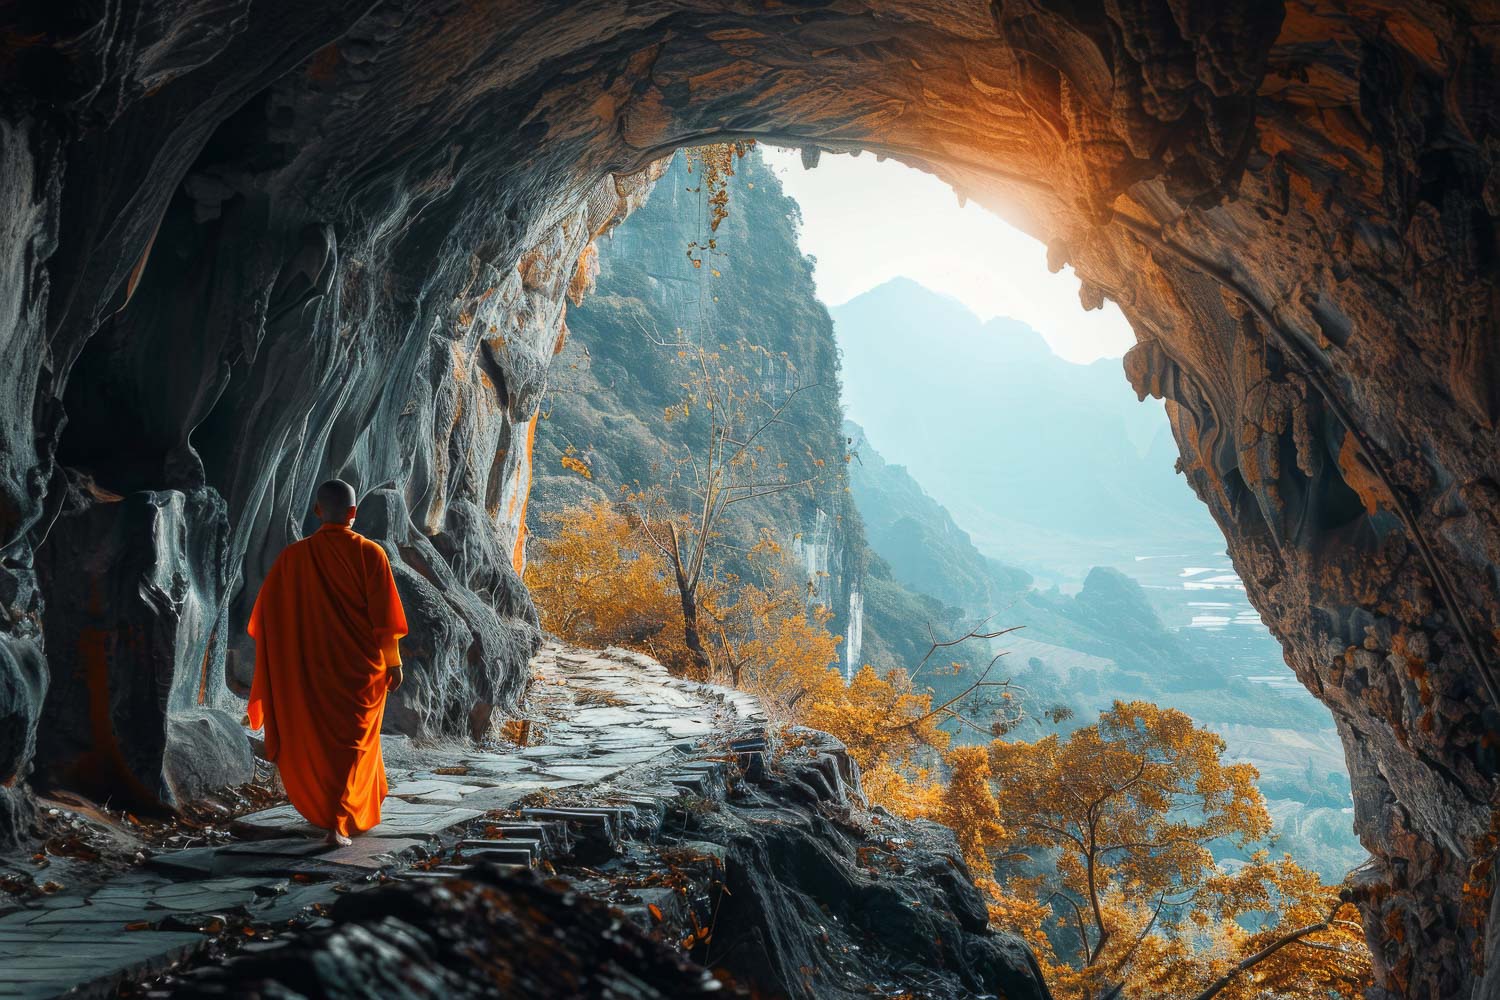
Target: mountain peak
{"x":904,"y":296}
{"x":1020,"y":338}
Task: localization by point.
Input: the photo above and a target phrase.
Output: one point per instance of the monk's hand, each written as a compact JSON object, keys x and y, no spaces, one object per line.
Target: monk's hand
{"x":394,"y":677}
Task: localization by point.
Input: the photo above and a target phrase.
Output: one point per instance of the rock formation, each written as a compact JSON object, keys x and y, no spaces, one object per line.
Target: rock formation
{"x":778,"y":878}
{"x":245,"y":244}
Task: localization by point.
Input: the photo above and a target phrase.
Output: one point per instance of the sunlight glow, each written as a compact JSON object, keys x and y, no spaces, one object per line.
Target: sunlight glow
{"x":868,"y":222}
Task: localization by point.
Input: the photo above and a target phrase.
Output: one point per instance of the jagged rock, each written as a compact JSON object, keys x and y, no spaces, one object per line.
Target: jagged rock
{"x":488,"y":934}
{"x":246,"y":246}
{"x":23,"y":684}
{"x":466,"y":634}
{"x":803,"y":894}
{"x":205,"y":750}
{"x":821,"y":903}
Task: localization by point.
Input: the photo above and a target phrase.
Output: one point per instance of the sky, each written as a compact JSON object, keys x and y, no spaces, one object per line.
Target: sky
{"x":868,"y":222}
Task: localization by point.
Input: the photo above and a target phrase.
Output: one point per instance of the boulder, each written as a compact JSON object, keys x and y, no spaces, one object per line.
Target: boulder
{"x":471,"y":634}
{"x":137,"y":710}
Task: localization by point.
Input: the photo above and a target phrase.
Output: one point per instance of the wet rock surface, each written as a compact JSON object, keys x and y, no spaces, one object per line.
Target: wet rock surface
{"x":248,"y":246}
{"x":617,"y":729}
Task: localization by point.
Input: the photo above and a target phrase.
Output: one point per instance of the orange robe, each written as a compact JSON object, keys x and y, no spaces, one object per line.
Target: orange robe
{"x":326,"y":625}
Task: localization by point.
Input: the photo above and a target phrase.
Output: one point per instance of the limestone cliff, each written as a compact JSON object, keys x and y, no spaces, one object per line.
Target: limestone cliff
{"x":617,"y":372}
{"x":248,"y":243}
{"x":622,"y":366}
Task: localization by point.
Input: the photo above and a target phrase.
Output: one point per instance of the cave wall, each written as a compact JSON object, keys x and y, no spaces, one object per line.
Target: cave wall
{"x":289,"y":314}
{"x":246,"y":244}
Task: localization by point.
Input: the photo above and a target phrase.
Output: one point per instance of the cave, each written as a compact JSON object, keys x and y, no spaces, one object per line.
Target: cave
{"x":247,"y":245}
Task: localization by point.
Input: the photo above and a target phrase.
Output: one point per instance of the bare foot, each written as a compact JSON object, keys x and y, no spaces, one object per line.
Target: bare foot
{"x":338,"y":839}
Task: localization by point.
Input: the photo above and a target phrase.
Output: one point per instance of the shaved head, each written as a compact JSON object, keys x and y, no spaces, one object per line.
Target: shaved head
{"x":335,"y":502}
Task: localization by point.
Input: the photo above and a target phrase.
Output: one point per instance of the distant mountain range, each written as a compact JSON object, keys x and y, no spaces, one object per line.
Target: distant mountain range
{"x":976,"y":451}
{"x":917,"y":536}
{"x":1052,"y":466}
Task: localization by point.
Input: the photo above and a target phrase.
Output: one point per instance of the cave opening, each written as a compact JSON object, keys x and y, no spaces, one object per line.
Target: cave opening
{"x":993,"y":473}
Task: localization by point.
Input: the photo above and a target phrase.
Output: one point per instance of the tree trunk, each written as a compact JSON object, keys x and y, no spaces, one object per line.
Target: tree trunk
{"x":690,"y":635}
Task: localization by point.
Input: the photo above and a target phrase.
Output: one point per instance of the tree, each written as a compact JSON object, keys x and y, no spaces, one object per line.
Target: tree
{"x":1126,"y":809}
{"x":724,"y":464}
{"x":968,"y":807}
{"x":724,"y":461}
{"x":771,"y":643}
{"x":598,"y":581}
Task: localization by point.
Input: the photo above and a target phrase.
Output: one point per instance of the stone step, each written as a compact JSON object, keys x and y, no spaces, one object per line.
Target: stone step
{"x":694,"y":782}
{"x":749,"y":743}
{"x":705,"y":778}
{"x":614,"y":817}
{"x":496,"y":854}
{"x":555,"y":838}
{"x":599,"y":831}
{"x":529,"y":845}
{"x":463,"y":870}
{"x":444,"y":873}
{"x":649,"y":809}
{"x":713,"y":766}
{"x":440,"y":874}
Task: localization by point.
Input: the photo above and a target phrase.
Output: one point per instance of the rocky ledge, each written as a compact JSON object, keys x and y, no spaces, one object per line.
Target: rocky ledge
{"x":784,"y":886}
{"x":653,"y":838}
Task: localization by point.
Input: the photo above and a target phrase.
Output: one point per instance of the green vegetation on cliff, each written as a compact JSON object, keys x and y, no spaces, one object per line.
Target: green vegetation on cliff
{"x":621,"y":369}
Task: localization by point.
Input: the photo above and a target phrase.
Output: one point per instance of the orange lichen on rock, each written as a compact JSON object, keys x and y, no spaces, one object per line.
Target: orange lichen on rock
{"x":518,"y":551}
{"x":1361,"y":479}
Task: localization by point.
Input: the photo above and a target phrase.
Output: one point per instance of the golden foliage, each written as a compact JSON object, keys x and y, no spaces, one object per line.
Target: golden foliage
{"x":597,"y":582}
{"x":918,"y":795}
{"x":1126,"y":810}
{"x":882,"y":719}
{"x":969,"y":809}
{"x":1121,"y":897}
{"x":715,"y":164}
{"x":774,"y":647}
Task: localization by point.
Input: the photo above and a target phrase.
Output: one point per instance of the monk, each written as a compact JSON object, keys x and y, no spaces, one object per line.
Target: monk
{"x":327,"y":626}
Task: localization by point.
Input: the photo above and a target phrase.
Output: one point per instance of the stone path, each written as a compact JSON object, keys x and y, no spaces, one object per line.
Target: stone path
{"x":621,"y":737}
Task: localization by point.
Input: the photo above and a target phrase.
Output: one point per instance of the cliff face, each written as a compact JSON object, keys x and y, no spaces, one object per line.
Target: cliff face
{"x":920,"y":539}
{"x":623,"y":364}
{"x":619,"y":368}
{"x":249,"y":243}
